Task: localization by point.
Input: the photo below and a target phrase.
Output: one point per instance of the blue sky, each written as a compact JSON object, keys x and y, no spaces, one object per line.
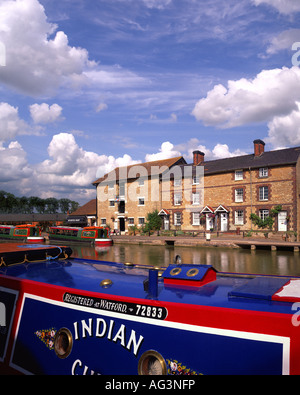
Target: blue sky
{"x":88,"y":85}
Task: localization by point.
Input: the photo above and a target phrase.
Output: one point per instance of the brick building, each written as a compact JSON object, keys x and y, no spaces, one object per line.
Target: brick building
{"x":219,"y":194}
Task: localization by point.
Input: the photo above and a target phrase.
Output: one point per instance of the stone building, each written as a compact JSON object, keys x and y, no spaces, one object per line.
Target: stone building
{"x":218,"y":195}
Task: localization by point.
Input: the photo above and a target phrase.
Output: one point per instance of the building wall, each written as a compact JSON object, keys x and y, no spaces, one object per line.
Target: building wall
{"x":219,"y":189}
{"x":130,"y":208}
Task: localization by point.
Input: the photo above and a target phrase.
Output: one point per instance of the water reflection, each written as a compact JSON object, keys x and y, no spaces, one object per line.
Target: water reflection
{"x":228,"y":260}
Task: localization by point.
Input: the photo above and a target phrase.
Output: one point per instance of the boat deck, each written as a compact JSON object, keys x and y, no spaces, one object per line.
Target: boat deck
{"x":176,"y":284}
{"x":59,"y":311}
{"x":15,"y":253}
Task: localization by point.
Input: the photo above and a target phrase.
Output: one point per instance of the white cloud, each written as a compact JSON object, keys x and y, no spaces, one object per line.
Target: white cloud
{"x":271,"y":93}
{"x":219,"y":151}
{"x":283,"y":6}
{"x":14,"y":165}
{"x":43,"y":113}
{"x":284,"y":40}
{"x":284,"y":131}
{"x":71,"y":167}
{"x":166,"y":151}
{"x":116,"y":76}
{"x":39,"y":59}
{"x":10,"y":123}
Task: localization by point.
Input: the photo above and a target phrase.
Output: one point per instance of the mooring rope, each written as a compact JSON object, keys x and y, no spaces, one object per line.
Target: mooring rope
{"x":48,"y":258}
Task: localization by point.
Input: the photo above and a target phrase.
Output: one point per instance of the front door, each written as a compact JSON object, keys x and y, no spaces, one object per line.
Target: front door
{"x":122,"y":224}
{"x":224,"y":222}
{"x":166,"y":222}
{"x":282,"y":221}
{"x":209,"y":223}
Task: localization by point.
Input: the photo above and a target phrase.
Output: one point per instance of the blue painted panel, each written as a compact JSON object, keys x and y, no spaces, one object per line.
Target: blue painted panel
{"x":259,"y":288}
{"x":101,"y":343}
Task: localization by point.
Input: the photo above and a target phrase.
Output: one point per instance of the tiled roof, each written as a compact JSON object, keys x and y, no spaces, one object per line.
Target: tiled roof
{"x":132,"y":171}
{"x":87,"y":209}
{"x":281,"y":157}
{"x":267,"y":159}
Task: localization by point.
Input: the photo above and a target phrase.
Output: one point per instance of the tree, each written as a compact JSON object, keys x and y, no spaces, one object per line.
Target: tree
{"x":154,"y":221}
{"x":64,"y":205}
{"x":267,"y":222}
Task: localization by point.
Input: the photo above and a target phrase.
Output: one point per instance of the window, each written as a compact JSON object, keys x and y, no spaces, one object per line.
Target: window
{"x":263,"y":214}
{"x":141,"y":221}
{"x":263,"y":193}
{"x":141,"y":201}
{"x":177,"y":219}
{"x":177,"y":199}
{"x":111,"y":203}
{"x":196,"y":180}
{"x":177,"y":182}
{"x":239,"y":195}
{"x":239,"y":217}
{"x":263,"y":172}
{"x":196,"y":198}
{"x":239,"y":175}
{"x":130,"y":221}
{"x":122,"y":189}
{"x":103,"y":221}
{"x":196,"y":218}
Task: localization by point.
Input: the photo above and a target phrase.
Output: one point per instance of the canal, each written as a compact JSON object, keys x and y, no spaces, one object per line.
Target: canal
{"x":222,"y":259}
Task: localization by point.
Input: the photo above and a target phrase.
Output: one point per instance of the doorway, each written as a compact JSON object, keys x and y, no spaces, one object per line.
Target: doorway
{"x":282,"y":221}
{"x":209,"y":222}
{"x":224,"y":222}
{"x":122,"y":224}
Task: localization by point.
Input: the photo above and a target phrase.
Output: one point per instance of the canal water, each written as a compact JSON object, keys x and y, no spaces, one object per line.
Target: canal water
{"x":222,"y":259}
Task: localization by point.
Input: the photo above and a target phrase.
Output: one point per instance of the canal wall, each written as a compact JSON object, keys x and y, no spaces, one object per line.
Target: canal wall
{"x":224,"y":242}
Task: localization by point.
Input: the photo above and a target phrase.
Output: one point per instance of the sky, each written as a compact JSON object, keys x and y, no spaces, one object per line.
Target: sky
{"x":89,"y":85}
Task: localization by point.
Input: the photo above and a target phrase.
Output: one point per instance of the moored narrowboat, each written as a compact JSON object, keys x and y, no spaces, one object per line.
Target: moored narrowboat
{"x":91,"y":234}
{"x":65,"y":315}
{"x":28,"y":233}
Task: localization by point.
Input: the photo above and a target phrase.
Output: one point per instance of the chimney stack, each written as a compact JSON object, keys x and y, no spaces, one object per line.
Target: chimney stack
{"x":259,"y":147}
{"x":198,"y":158}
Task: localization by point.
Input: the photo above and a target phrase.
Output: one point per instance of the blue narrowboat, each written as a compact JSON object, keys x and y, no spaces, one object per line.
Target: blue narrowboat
{"x":63,"y":315}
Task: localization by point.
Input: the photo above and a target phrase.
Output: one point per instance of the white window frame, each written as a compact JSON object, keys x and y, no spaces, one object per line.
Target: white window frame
{"x":121,"y":186}
{"x":239,"y":175}
{"x":103,"y":221}
{"x":177,"y":182}
{"x":263,"y":193}
{"x":196,"y":198}
{"x":263,"y":214}
{"x":196,"y":219}
{"x":141,"y":221}
{"x":141,"y":201}
{"x":177,"y":219}
{"x":239,"y":195}
{"x":263,"y":172}
{"x":196,"y":180}
{"x":129,"y":220}
{"x":177,"y":199}
{"x":239,"y":217}
{"x":112,"y":203}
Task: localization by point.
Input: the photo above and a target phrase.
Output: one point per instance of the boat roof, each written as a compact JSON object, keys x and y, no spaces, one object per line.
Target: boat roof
{"x":260,"y":293}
